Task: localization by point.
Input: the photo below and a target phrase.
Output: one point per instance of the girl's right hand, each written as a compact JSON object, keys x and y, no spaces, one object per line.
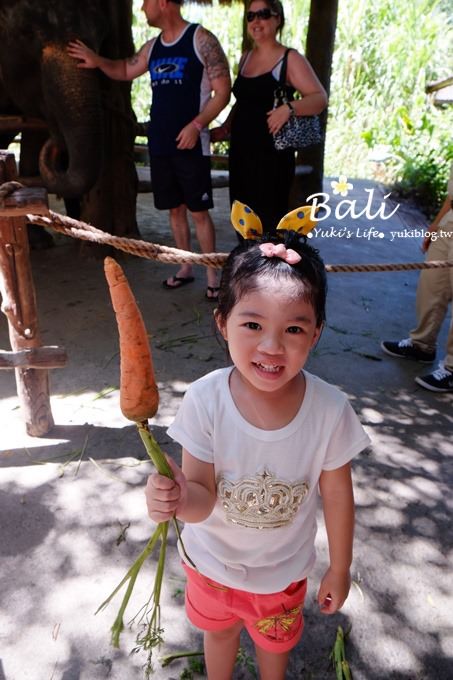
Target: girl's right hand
{"x":165,"y":496}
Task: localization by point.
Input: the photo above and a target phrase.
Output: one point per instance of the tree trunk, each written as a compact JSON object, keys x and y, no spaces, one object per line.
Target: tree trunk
{"x":319,"y":52}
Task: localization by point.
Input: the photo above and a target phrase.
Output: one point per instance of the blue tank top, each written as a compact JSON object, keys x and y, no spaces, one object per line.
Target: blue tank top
{"x":176,"y":76}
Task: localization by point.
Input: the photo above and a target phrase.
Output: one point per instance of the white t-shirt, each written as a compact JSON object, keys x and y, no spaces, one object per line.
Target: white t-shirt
{"x":260,"y":535}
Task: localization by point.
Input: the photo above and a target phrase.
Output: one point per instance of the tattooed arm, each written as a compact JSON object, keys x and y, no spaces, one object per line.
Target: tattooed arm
{"x":218,"y":73}
{"x":216,"y":65}
{"x":117,"y":69}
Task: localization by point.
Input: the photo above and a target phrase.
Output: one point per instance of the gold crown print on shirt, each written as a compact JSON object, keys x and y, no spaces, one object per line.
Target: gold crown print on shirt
{"x":262,"y":502}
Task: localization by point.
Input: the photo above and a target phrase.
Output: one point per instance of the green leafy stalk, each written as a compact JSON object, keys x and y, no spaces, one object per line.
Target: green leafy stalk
{"x":346,"y":670}
{"x":151,"y":635}
{"x":162,"y":466}
{"x":154,"y":451}
{"x":152,"y":628}
{"x":131,"y":576}
{"x":169,"y":658}
{"x":338,"y":657}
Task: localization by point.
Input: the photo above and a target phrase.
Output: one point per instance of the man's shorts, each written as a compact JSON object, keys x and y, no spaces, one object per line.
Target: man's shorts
{"x":182,"y":178}
{"x":274,"y":621}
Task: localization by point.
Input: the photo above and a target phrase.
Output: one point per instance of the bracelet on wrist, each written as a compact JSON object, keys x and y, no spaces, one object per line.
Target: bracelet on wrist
{"x":198,"y":125}
{"x":291,"y":109}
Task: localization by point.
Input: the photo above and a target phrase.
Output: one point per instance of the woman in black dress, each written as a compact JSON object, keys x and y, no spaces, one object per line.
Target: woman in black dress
{"x":260,"y":176}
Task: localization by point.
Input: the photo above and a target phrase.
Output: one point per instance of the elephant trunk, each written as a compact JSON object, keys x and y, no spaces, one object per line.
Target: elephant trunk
{"x":70,"y":161}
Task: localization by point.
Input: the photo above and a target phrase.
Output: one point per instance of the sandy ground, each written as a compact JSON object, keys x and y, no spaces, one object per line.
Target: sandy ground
{"x":71,"y":503}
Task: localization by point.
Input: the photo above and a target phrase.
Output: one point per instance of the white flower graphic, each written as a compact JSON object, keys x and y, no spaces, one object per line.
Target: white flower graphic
{"x":342,"y":186}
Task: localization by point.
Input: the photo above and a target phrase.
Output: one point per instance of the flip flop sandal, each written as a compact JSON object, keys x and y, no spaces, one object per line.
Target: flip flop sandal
{"x":214,"y":293}
{"x":180,"y":281}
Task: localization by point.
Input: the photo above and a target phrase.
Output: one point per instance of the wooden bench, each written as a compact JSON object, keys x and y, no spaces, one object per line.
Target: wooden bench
{"x":220,"y":178}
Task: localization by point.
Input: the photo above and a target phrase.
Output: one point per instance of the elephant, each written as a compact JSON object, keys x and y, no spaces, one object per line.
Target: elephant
{"x":86,"y":148}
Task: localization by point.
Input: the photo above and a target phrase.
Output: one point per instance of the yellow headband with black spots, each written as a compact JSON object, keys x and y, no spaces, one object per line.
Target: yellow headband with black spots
{"x":249,"y":226}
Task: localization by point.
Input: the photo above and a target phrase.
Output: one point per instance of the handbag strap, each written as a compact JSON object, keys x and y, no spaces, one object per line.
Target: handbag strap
{"x":282,"y":78}
{"x":242,"y":60}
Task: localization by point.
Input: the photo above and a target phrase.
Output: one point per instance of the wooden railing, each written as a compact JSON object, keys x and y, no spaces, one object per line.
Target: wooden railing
{"x":27,"y":356}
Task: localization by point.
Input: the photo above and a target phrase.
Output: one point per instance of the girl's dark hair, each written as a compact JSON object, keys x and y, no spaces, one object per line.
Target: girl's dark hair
{"x":277,"y":7}
{"x":246,"y":264}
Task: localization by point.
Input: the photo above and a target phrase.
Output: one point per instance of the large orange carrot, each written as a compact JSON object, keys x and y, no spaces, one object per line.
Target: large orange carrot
{"x":139,"y":397}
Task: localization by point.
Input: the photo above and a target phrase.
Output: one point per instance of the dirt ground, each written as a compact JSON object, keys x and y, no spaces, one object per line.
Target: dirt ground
{"x":71,"y":503}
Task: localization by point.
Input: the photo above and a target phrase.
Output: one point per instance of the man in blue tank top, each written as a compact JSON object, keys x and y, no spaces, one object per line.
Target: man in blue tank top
{"x":190,"y":83}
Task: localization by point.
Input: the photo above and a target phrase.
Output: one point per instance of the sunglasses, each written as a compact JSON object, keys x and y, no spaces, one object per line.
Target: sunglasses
{"x":265,"y":14}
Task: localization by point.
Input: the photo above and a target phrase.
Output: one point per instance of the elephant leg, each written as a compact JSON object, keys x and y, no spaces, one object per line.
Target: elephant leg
{"x":118,"y":177}
{"x":31,"y":143}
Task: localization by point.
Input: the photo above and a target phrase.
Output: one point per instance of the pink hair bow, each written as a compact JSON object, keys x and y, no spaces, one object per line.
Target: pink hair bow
{"x":288,"y":255}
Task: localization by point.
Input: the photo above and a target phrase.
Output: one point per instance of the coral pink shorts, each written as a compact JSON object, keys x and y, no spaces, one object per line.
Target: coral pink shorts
{"x":274,"y":621}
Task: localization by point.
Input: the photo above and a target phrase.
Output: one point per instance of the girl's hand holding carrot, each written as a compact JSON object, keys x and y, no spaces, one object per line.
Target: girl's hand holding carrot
{"x":165,"y":496}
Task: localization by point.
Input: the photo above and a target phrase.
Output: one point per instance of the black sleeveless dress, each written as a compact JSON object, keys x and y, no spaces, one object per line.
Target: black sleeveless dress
{"x":260,"y":176}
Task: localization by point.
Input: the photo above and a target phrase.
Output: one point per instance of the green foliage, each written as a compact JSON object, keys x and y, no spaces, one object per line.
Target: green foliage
{"x":419,"y":157}
{"x":386,"y":53}
{"x":247,"y":662}
{"x":194,"y":667}
{"x":424,"y":176}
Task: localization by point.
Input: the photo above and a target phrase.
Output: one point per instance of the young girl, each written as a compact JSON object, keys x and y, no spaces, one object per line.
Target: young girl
{"x":259,"y":439}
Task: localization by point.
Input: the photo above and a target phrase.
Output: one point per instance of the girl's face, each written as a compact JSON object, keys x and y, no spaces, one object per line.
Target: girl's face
{"x":270,"y":333}
{"x":263,"y":24}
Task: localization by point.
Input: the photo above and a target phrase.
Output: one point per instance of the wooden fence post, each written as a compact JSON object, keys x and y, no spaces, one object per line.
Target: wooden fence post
{"x":19,"y":303}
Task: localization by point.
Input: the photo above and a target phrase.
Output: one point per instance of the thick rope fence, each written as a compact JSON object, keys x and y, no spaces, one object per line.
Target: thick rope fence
{"x":168,"y":255}
{"x":80,"y":230}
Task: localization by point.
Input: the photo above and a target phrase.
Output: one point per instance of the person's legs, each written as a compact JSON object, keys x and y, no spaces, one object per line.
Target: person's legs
{"x":194,"y":176}
{"x":208,"y":606}
{"x":169,"y":196}
{"x":205,"y":231}
{"x":181,"y":235}
{"x":434,"y":292}
{"x":220,"y":651}
{"x":272,"y":666}
{"x":433,"y":296}
{"x":448,"y":362}
{"x":441,"y":380}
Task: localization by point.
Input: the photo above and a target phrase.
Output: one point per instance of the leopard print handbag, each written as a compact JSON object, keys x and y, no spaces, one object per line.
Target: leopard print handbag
{"x":299,"y":131}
